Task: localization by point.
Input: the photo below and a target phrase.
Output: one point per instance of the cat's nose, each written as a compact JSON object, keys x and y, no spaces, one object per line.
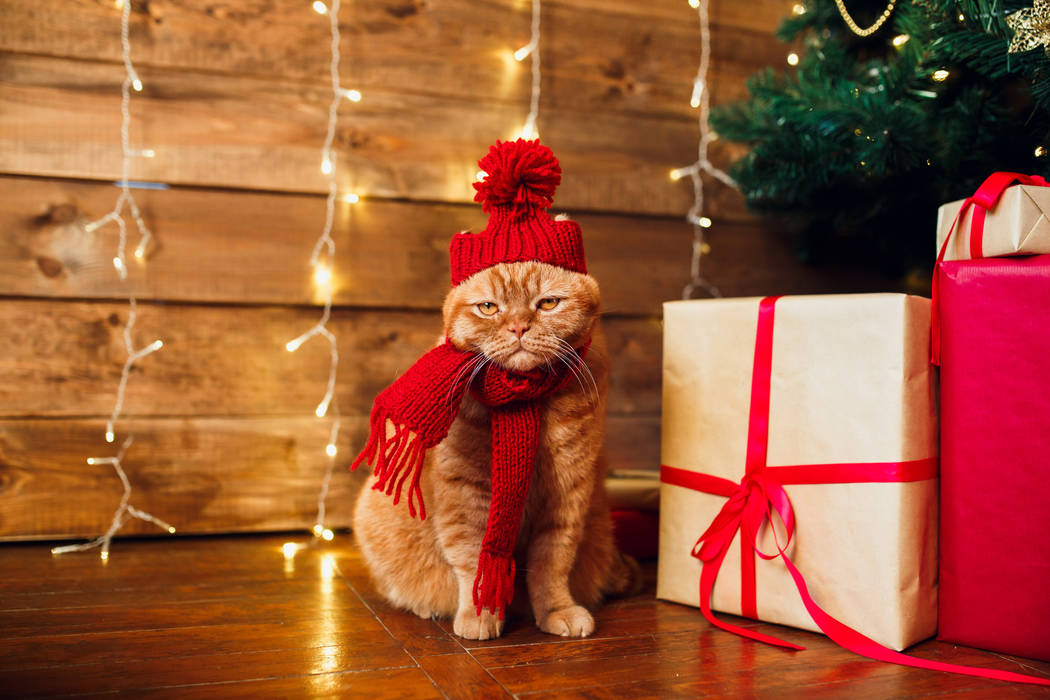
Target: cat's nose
{"x":518,"y":329}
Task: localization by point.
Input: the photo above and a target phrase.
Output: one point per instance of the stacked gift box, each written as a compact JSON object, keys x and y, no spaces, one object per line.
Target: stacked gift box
{"x":994,"y":326}
{"x":800,"y":450}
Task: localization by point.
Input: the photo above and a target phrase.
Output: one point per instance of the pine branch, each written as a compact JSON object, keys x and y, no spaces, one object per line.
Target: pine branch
{"x":858,"y":145}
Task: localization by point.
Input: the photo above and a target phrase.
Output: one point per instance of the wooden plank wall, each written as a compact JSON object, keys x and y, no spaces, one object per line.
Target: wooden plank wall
{"x":234,"y":106}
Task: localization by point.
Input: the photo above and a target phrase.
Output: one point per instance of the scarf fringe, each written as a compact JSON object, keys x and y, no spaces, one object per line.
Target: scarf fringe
{"x":395,"y":459}
{"x":494,"y":584}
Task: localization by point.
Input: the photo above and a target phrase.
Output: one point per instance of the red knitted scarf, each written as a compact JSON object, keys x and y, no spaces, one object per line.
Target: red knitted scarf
{"x":422,"y":405}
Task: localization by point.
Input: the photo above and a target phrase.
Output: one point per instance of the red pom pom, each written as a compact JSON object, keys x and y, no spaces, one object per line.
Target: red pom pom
{"x":522,"y":173}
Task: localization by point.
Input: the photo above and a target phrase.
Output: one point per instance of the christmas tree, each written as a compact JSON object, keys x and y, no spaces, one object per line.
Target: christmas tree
{"x":888,"y":110}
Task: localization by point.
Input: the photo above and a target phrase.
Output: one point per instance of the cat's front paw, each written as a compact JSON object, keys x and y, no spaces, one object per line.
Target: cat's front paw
{"x":573,"y":621}
{"x":469,"y":625}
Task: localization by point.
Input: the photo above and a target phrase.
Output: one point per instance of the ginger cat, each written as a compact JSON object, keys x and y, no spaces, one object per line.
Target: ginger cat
{"x":519,"y":315}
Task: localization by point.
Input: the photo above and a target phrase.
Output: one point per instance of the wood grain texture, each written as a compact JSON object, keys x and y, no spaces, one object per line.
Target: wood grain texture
{"x":595,"y":57}
{"x":243,"y":247}
{"x":205,"y":475}
{"x":461,"y":677}
{"x":233,"y":618}
{"x":200,"y":475}
{"x":65,"y":358}
{"x":60,"y":117}
{"x":246,"y":247}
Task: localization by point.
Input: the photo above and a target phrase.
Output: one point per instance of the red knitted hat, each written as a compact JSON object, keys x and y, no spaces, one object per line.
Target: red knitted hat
{"x":519,"y":184}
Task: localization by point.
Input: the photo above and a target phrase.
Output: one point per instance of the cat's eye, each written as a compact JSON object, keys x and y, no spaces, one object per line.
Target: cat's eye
{"x":547,"y":304}
{"x":487,"y":308}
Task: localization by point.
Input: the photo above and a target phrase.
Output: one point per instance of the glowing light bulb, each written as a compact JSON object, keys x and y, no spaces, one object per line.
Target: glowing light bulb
{"x":351,"y":198}
{"x":136,"y":85}
{"x":320,"y":8}
{"x":139,"y":253}
{"x":91,"y":460}
{"x":792,"y":59}
{"x":119,"y":265}
{"x":698,"y":91}
{"x":104,"y":555}
{"x":694,"y":4}
{"x":147,"y":153}
{"x":321,"y":409}
{"x":293,"y":345}
{"x":330,"y":450}
{"x":1040,"y":151}
{"x":799,"y":9}
{"x":171,"y":530}
{"x":677,"y":174}
{"x":155,"y":346}
{"x":289,"y":549}
{"x":352,"y":95}
{"x":326,"y":166}
{"x":327,"y":568}
{"x":318,"y":529}
{"x":940,"y":75}
{"x":900,"y":40}
{"x":480,"y":176}
{"x":109,"y":436}
{"x":322,"y":275}
{"x":327,"y":535}
{"x":523,"y":53}
{"x":704,"y":222}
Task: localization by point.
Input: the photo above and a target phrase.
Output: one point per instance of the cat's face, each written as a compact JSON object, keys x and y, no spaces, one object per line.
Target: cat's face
{"x":522,"y":315}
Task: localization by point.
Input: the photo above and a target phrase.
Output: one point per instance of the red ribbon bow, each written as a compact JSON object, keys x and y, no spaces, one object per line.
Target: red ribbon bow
{"x":752,"y":502}
{"x":983,"y":200}
{"x":761,"y":493}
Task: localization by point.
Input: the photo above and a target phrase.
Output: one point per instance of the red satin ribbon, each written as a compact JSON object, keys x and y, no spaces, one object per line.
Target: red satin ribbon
{"x":760,"y":495}
{"x":985,"y":198}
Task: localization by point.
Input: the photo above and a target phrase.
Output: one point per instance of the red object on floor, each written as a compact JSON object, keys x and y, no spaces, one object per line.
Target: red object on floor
{"x":995,"y":454}
{"x":637,"y":533}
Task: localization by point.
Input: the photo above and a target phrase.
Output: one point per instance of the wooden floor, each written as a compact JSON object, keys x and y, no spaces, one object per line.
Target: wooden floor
{"x":234,"y":617}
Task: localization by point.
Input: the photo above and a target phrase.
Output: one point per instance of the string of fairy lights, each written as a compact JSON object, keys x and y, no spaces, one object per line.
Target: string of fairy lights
{"x":322,"y":260}
{"x":700,"y":100}
{"x":529,"y":130}
{"x":125,"y":510}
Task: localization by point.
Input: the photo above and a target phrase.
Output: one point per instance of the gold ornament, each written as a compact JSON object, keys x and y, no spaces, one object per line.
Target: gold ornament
{"x":856,"y":28}
{"x":1031,"y":28}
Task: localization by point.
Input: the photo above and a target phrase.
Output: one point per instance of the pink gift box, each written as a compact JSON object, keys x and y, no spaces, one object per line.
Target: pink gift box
{"x":995,"y":454}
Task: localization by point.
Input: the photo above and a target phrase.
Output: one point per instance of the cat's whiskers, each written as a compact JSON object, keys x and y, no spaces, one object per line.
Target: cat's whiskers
{"x":459,"y":375}
{"x":571,"y":362}
{"x":475,"y":363}
{"x":579,"y":379}
{"x":485,"y":360}
{"x":572,"y":358}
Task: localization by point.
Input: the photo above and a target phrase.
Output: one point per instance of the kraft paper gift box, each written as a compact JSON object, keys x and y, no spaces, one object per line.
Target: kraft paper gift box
{"x":1012,"y":220}
{"x":995,"y":447}
{"x":849,"y":382}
